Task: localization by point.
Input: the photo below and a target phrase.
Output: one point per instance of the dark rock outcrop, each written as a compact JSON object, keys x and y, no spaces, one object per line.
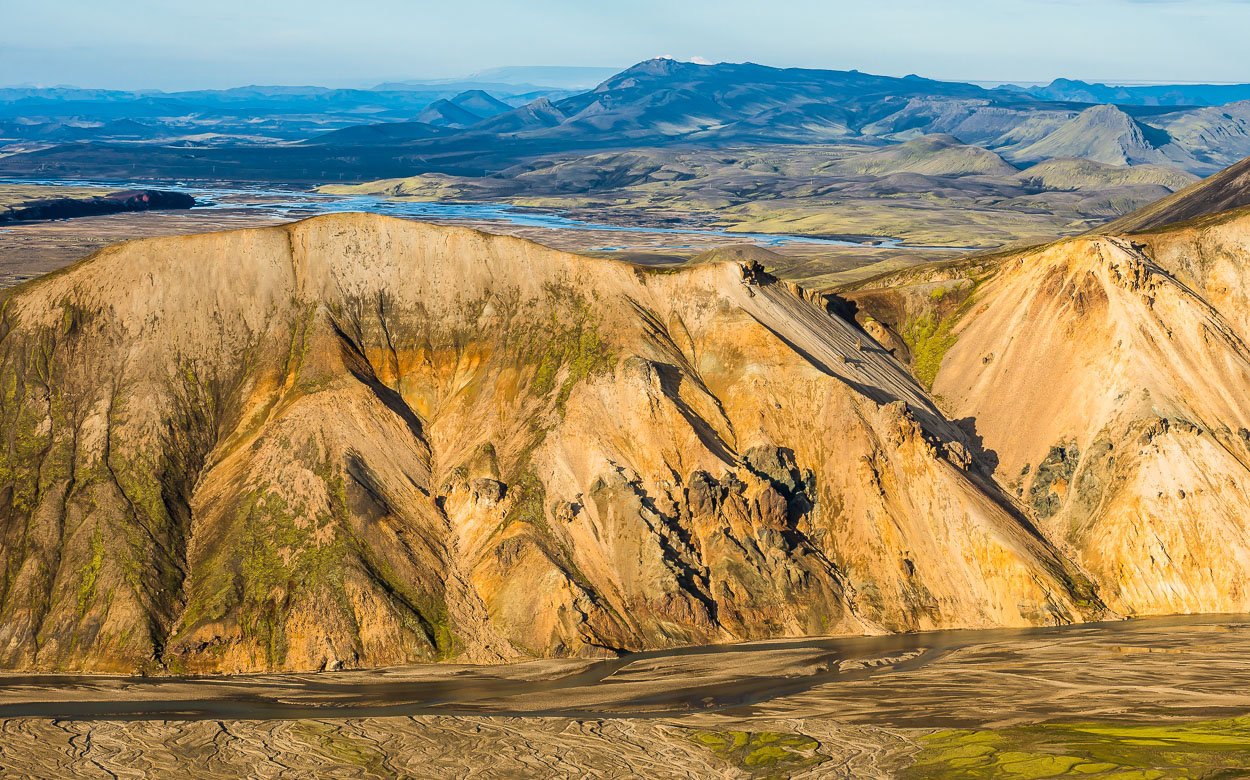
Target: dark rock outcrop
{"x":113,"y":203}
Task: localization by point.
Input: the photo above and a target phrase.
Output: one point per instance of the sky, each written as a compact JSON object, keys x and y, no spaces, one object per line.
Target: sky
{"x":158,"y":44}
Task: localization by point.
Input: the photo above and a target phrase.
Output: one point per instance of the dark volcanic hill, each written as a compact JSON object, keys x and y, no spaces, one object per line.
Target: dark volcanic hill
{"x":666,"y":97}
{"x":663,"y":99}
{"x":113,"y":203}
{"x":444,"y":113}
{"x":480,"y":103}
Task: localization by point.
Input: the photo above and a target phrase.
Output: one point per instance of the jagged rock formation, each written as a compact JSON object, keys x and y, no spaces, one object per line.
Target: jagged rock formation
{"x":1107,"y":376}
{"x":358,"y":441}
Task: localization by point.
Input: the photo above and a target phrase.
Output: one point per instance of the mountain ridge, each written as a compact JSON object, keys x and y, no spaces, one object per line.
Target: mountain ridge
{"x":305,"y":463}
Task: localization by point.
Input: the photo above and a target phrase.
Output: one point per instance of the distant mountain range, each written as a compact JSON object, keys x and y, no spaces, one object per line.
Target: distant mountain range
{"x":243,"y":115}
{"x":476,"y":128}
{"x":661,"y":101}
{"x":1144,"y":95}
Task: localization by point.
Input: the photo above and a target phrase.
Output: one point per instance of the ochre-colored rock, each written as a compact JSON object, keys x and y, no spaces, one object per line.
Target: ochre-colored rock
{"x":1106,"y":379}
{"x":358,"y":441}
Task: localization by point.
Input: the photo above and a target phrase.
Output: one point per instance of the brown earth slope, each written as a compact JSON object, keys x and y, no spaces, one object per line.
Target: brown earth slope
{"x":1107,"y":376}
{"x":1228,"y":189}
{"x":357,"y":441}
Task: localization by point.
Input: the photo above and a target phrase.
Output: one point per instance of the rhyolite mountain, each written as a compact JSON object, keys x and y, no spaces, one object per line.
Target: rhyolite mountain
{"x":360,"y":441}
{"x":1108,"y":375}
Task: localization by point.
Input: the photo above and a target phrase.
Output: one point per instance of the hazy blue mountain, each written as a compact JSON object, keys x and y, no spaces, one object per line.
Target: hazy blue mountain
{"x":1146,"y":95}
{"x":446,"y":126}
{"x":444,"y":113}
{"x":481,"y":104}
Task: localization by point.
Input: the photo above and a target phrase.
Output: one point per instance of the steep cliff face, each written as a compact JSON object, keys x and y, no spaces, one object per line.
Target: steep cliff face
{"x":363,"y":441}
{"x":1107,"y":376}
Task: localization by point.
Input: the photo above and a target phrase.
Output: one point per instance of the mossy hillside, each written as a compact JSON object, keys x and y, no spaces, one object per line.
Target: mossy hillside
{"x":541,"y":348}
{"x":155,"y":485}
{"x":1125,"y":751}
{"x":517,"y":354}
{"x":280,"y":555}
{"x":53,"y":512}
{"x":925,"y":304}
{"x":556,"y":341}
{"x":89,"y":573}
{"x":113,"y":506}
{"x":930,"y":334}
{"x":125,"y":509}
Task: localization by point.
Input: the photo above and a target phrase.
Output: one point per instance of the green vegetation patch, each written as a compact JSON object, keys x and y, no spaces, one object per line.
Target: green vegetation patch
{"x":570,"y":339}
{"x":768,"y":754}
{"x":1211,"y":749}
{"x":930,"y":335}
{"x":929,"y":338}
{"x":338,"y":747}
{"x":89,"y":573}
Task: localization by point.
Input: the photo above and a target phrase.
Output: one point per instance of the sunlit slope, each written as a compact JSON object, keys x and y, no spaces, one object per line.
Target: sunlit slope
{"x":1108,"y":377}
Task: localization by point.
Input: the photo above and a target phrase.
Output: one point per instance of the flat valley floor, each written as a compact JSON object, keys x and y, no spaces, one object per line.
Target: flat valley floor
{"x":31,"y":249}
{"x":1146,"y":698}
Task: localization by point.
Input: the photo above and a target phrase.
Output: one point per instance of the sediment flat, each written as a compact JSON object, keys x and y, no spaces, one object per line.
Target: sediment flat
{"x":840,"y":707}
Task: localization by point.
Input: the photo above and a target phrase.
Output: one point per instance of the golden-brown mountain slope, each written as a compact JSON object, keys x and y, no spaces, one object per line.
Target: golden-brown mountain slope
{"x":1109,"y":380}
{"x":356,"y":441}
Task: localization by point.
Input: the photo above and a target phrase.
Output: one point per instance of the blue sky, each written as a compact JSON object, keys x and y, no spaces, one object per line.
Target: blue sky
{"x":174,"y":45}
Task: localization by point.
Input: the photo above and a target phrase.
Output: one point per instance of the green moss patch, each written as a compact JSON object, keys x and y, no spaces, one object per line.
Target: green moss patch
{"x":571,"y":339}
{"x":930,"y":335}
{"x":929,"y":338}
{"x":1204,"y":749}
{"x":768,"y":754}
{"x":340,"y":748}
